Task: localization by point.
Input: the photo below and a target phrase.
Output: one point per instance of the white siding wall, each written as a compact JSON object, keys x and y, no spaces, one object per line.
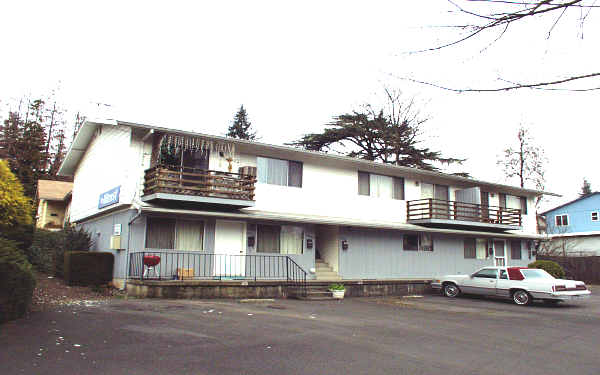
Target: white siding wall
{"x":108,"y":162}
{"x":116,"y":157}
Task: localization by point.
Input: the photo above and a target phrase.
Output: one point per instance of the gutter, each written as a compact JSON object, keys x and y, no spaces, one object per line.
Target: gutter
{"x":139,"y":213}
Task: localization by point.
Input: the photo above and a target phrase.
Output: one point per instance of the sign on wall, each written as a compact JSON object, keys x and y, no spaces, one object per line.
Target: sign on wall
{"x":109,"y":198}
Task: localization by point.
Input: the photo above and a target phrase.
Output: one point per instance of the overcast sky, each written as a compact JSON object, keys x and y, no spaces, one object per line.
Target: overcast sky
{"x":296,"y":64}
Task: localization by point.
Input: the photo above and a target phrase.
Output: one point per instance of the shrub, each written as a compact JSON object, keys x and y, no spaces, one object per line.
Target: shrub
{"x":41,"y":253}
{"x":88,"y":268}
{"x":549,"y":266}
{"x":337,"y":287}
{"x":72,"y":240}
{"x":16,"y":281}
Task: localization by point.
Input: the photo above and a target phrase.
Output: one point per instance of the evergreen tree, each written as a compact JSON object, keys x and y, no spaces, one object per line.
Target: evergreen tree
{"x":586,"y":188}
{"x":241,"y":127}
{"x":388,"y":135}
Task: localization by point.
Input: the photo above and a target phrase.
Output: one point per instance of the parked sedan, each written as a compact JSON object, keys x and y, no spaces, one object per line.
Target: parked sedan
{"x":520,"y":284}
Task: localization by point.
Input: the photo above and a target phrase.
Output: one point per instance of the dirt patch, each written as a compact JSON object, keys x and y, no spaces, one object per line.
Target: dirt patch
{"x":51,"y":292}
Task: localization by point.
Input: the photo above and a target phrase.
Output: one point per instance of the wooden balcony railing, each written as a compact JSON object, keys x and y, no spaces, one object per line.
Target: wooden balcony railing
{"x":171,"y":179}
{"x":450,"y":210}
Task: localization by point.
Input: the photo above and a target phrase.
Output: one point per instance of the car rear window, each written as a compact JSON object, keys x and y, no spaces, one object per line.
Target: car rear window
{"x":515,"y":273}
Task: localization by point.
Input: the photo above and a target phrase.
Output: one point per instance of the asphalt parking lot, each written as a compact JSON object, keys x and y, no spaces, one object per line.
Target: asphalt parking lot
{"x":427,"y":335}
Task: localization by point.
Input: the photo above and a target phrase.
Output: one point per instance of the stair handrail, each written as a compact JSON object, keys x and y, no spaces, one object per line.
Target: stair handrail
{"x":298,"y":275}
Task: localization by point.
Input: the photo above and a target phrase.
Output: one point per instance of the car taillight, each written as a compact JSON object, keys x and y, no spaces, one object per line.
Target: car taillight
{"x":559,"y":288}
{"x":580,"y":287}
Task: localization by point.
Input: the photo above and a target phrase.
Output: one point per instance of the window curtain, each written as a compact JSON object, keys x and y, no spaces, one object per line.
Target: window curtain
{"x":470,"y":249}
{"x":295,"y":173}
{"x":363,"y":183}
{"x":398,"y":188}
{"x":291,"y":240}
{"x":267,"y":239}
{"x":515,"y":249}
{"x":481,"y":248}
{"x":189,"y":235}
{"x":426,"y":242}
{"x":160,"y":233}
{"x":272,"y":171}
{"x":381,"y":186}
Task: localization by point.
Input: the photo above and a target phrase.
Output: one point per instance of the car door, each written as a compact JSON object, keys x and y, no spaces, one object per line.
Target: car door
{"x":503,"y":284}
{"x":481,"y":282}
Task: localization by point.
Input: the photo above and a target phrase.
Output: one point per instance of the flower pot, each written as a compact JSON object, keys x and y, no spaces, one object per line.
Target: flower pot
{"x":339,"y":294}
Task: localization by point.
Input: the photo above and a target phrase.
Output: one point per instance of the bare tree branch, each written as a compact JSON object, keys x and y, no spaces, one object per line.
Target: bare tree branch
{"x":515,"y":86}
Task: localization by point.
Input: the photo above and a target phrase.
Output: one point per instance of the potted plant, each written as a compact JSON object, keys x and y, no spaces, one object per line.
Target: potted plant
{"x":337,"y":290}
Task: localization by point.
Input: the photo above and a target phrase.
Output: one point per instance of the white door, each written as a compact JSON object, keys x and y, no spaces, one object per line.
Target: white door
{"x":230,"y":247}
{"x":499,"y":253}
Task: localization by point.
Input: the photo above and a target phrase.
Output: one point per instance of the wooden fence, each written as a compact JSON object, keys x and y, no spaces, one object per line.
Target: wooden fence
{"x":586,"y":268}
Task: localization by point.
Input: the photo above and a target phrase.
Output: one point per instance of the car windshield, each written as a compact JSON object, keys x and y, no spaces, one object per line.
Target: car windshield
{"x":536,"y":274}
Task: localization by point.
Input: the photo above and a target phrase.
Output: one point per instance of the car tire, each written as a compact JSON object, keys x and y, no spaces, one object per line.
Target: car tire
{"x":521,"y":297}
{"x":450,"y":290}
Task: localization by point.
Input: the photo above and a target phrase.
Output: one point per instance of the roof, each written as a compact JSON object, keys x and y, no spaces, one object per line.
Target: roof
{"x":86,"y":133}
{"x":53,"y":190}
{"x":573,"y":201}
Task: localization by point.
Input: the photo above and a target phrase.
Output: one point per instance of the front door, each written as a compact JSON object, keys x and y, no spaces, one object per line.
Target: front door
{"x":230,"y":248}
{"x":499,"y":253}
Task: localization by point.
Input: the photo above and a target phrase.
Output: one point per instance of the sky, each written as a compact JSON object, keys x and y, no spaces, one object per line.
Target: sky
{"x":296,"y":64}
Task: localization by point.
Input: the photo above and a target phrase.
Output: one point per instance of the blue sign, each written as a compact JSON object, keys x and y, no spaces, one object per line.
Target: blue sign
{"x":109,"y":198}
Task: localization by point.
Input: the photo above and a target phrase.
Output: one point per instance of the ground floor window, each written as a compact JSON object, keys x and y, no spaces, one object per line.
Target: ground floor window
{"x":279,"y":239}
{"x":174,"y":234}
{"x":515,"y":249}
{"x":417,"y":242}
{"x":475,"y":248}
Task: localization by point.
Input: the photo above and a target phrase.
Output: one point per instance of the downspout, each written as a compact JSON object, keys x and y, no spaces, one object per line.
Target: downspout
{"x":139,"y":213}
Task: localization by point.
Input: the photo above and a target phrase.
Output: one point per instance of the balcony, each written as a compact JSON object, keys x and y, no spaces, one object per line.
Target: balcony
{"x":168,"y":183}
{"x":441,"y":213}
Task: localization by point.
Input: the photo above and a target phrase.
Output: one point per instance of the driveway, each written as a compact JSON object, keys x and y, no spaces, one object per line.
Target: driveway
{"x":429,"y":335}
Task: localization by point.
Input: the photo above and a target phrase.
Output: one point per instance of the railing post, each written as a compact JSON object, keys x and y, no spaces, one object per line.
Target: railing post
{"x":287,"y":268}
{"x":143,"y":265}
{"x":430,"y":208}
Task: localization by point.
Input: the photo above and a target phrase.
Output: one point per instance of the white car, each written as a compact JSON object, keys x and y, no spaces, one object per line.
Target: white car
{"x":521,"y":284}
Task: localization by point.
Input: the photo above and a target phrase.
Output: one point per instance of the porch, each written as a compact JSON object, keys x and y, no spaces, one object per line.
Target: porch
{"x":437,"y":212}
{"x":179,"y":183}
{"x":173,"y":266}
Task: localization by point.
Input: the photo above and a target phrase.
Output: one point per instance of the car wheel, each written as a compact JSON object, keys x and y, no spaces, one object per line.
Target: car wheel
{"x":521,"y":297}
{"x":451,"y":290}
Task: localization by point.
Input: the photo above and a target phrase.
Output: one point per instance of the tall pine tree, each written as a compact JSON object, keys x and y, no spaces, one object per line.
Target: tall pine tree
{"x":241,"y":127}
{"x":389,"y":135}
{"x":586,"y":188}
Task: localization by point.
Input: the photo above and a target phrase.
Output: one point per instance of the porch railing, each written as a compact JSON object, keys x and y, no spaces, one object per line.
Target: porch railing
{"x":167,"y":265}
{"x":174,"y":179}
{"x":452,"y":210}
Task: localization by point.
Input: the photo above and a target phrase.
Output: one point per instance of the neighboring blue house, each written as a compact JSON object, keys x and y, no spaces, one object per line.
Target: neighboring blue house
{"x":574,"y":227}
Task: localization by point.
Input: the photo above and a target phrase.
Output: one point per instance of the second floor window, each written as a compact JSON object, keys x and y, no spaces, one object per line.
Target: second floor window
{"x":595,"y":216}
{"x":561,"y":220}
{"x":380,"y":186}
{"x":279,"y":172}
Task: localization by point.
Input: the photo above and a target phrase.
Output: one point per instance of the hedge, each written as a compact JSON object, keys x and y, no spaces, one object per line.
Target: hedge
{"x":88,"y":268}
{"x":549,"y":266}
{"x":16,"y":281}
{"x":47,"y":250}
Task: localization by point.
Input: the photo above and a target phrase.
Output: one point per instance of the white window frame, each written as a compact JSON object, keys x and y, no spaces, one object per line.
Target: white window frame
{"x":562,"y":221}
{"x":592,"y":215}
